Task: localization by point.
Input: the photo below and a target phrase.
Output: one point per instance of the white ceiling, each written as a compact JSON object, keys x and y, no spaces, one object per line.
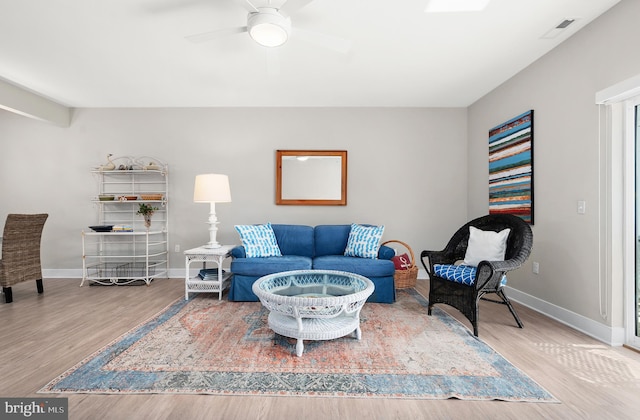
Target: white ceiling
{"x":133,"y":53}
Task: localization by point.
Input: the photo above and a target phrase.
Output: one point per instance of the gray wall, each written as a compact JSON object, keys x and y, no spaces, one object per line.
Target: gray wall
{"x":421,"y":172}
{"x":407,"y":169}
{"x":570,"y":162}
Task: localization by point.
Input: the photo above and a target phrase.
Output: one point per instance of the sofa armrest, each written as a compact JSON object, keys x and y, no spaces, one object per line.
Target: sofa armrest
{"x":386,"y":252}
{"x":238,"y":252}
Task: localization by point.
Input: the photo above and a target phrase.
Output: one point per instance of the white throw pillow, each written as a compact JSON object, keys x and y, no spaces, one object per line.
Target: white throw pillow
{"x":485,"y":245}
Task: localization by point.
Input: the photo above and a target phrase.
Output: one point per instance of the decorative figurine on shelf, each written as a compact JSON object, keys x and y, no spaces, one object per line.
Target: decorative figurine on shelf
{"x":110,"y":166}
{"x":151,"y":167}
{"x":147,"y":211}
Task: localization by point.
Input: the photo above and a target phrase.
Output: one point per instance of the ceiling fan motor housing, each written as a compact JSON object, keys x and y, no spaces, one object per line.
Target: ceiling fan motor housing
{"x":268,"y":27}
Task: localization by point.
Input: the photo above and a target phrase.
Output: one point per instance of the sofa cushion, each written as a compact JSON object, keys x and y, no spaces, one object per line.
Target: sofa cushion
{"x":269,"y":265}
{"x":364,"y":266}
{"x":331,"y":239}
{"x":294,"y":239}
{"x":258,"y":240}
{"x":364,"y":241}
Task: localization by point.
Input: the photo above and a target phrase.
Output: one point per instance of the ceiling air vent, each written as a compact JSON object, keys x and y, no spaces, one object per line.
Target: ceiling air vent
{"x":558,"y":29}
{"x":565,"y":23}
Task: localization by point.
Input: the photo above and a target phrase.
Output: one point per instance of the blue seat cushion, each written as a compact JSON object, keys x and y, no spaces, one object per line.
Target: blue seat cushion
{"x":269,"y":265}
{"x":363,"y":266}
{"x":463,"y":274}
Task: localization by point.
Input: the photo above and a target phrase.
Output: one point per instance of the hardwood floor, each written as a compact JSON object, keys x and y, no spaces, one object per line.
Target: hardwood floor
{"x":44,"y":335}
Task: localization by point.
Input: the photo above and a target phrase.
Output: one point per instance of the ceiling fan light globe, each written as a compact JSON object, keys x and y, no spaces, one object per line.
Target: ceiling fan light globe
{"x":268,"y":27}
{"x":269,"y":35}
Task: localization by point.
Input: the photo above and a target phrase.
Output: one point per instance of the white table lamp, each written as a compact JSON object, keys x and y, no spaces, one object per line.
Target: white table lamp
{"x":212,"y":189}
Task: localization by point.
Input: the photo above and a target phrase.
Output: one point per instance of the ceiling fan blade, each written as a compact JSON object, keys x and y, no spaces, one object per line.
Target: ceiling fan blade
{"x":210,"y":35}
{"x":292,"y":6}
{"x":333,"y":43}
{"x":247,"y":5}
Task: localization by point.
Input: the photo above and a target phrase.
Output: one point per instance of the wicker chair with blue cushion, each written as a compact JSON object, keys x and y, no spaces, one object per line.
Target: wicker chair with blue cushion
{"x":475,"y":263}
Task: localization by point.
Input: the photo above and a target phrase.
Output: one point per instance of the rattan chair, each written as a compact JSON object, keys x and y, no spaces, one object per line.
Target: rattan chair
{"x":489,"y":276}
{"x":21,"y":252}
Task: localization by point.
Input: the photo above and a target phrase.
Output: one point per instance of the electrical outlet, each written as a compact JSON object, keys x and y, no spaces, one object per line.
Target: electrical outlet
{"x":535,"y":267}
{"x":177,"y":248}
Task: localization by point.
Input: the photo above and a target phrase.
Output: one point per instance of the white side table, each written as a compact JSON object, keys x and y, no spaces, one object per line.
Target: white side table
{"x":205,"y":255}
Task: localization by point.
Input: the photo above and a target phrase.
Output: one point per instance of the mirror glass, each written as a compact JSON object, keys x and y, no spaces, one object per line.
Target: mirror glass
{"x":311,"y":177}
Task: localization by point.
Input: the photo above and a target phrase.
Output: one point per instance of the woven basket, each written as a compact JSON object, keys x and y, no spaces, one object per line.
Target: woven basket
{"x":405,"y":279}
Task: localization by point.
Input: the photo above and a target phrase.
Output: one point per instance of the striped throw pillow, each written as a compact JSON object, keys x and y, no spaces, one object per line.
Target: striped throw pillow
{"x":258,"y":240}
{"x":364,"y":241}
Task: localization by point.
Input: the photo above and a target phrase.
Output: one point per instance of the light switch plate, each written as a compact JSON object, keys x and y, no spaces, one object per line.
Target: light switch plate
{"x":582,"y":207}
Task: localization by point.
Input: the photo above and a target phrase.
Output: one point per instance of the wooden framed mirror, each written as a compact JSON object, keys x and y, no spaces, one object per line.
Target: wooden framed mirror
{"x":311,"y":177}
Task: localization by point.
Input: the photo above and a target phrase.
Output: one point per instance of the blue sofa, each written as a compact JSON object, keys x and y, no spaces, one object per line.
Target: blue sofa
{"x":305,"y":248}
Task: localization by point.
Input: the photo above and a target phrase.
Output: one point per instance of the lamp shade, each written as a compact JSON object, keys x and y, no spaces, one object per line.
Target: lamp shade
{"x":212,"y":188}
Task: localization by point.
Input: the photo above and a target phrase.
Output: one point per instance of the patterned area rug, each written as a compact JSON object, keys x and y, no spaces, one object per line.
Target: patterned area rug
{"x":207,"y":346}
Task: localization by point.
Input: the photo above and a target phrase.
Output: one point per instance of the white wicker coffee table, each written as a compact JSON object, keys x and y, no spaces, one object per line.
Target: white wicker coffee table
{"x":314,"y":304}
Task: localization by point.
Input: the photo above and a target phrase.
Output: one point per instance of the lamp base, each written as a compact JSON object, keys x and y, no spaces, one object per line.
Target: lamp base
{"x":213,"y":228}
{"x":212,"y":245}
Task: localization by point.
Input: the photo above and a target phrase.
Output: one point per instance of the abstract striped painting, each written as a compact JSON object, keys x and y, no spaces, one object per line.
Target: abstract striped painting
{"x":511,"y":167}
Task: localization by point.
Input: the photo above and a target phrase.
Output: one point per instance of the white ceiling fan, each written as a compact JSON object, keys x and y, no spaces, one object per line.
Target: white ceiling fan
{"x":270,"y":26}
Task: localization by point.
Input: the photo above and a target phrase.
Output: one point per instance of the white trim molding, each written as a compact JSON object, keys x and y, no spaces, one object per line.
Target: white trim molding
{"x":619,"y":92}
{"x":614,"y":336}
{"x":71,"y":273}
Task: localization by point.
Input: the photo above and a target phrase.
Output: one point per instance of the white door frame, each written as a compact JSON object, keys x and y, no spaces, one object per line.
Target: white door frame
{"x":631,"y":158}
{"x":619,"y":100}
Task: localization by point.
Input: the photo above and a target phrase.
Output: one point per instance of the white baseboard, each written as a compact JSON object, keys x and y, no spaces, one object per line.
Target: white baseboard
{"x":613,"y":336}
{"x":174,"y":273}
{"x":62,"y":274}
